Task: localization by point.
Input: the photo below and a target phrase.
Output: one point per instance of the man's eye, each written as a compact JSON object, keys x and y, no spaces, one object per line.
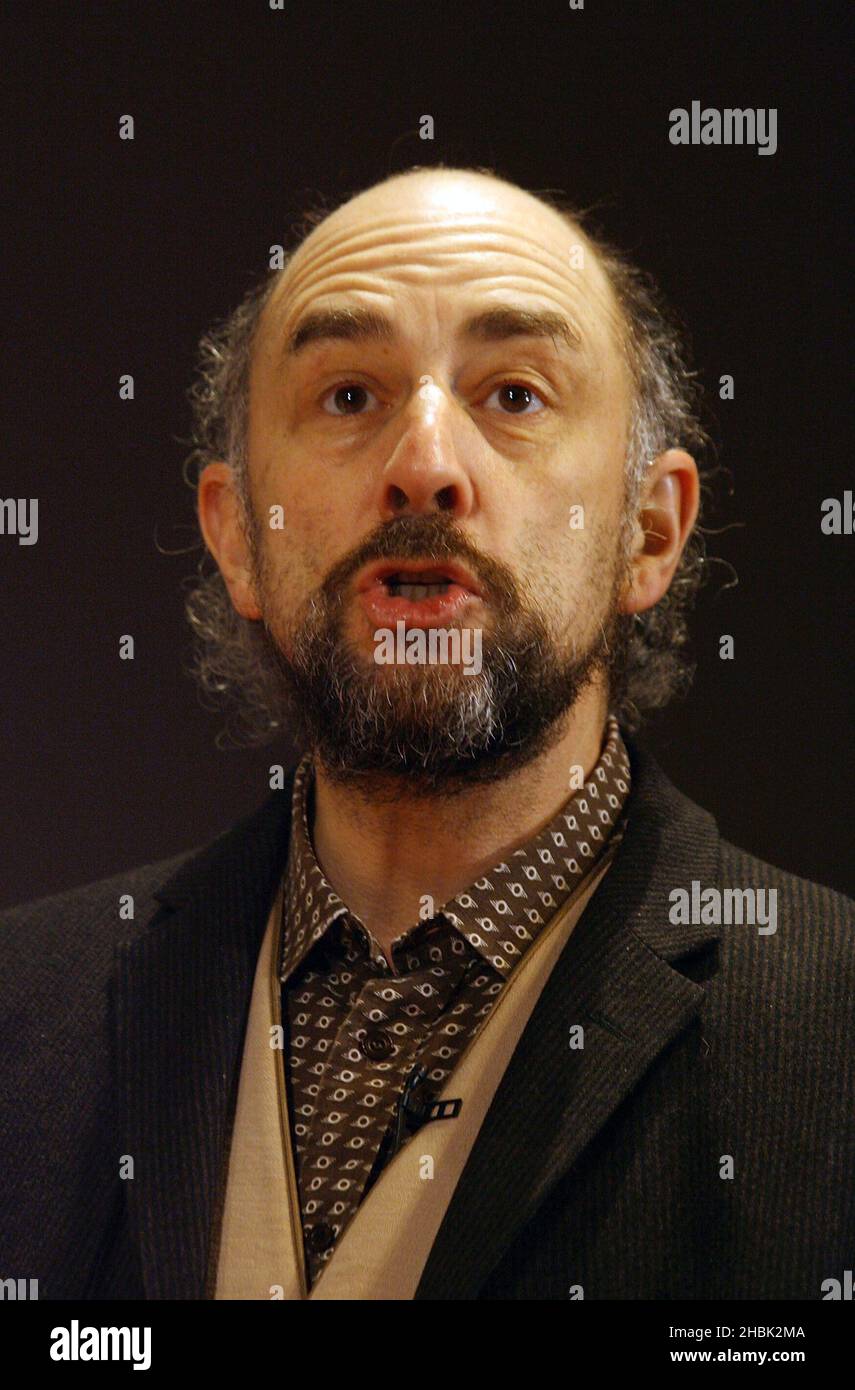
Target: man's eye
{"x":516,"y":399}
{"x":349,"y":399}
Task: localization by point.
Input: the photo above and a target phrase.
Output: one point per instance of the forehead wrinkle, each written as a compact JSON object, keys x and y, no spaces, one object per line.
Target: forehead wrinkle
{"x":500,"y":321}
{"x":412,"y":264}
{"x":324,"y":247}
{"x":483,"y":235}
{"x":566,"y":339}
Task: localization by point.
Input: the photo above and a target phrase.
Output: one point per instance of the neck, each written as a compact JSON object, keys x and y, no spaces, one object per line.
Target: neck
{"x":384,"y":857}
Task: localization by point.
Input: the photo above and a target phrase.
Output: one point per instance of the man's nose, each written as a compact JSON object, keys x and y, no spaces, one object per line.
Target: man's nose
{"x":425,"y":472}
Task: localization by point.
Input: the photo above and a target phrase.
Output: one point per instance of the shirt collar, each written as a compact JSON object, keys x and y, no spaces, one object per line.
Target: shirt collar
{"x":501,"y":913}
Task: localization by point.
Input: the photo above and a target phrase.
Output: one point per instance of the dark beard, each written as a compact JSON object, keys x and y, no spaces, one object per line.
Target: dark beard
{"x":442,"y":730}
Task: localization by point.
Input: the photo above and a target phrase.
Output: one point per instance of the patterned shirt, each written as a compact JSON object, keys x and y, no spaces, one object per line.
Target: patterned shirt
{"x":368,"y":1047}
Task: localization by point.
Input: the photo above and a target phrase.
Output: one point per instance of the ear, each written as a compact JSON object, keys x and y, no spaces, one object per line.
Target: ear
{"x":218,"y":509}
{"x":667,"y":512}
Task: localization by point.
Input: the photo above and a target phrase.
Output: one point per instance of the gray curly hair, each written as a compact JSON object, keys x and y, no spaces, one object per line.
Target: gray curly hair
{"x":231,"y":655}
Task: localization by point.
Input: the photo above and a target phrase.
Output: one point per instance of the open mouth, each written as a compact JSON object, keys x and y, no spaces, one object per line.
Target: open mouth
{"x":416,"y":581}
{"x":416,"y":586}
{"x":416,"y":592}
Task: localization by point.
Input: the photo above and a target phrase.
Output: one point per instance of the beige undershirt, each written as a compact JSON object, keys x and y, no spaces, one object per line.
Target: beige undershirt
{"x":383,"y":1251}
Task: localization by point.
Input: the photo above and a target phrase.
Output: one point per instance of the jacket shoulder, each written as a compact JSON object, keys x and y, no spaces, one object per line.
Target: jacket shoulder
{"x":91,"y":907}
{"x":77,"y":930}
{"x":805,"y":901}
{"x":57,"y":956}
{"x":787,"y":950}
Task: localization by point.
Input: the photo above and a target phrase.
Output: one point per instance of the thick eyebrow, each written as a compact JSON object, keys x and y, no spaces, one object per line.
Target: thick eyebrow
{"x":338,"y":323}
{"x":492,"y":325}
{"x":510,"y":321}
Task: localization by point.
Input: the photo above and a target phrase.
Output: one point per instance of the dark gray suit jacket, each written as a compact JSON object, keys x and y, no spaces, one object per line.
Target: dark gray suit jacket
{"x":601,"y":1169}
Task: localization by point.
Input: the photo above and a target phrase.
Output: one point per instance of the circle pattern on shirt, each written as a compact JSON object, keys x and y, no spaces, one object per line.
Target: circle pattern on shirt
{"x":339,"y":991}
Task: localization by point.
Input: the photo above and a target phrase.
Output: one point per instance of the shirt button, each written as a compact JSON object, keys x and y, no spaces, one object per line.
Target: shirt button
{"x":376,"y":1044}
{"x":320,"y":1237}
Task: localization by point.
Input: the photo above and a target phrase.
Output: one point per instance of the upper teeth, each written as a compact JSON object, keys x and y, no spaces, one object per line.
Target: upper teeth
{"x":418,"y":590}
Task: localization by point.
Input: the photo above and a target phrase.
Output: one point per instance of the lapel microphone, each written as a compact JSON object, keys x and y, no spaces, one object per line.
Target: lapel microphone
{"x":417,"y":1105}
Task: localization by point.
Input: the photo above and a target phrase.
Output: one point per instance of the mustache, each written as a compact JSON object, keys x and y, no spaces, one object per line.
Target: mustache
{"x":435,"y":537}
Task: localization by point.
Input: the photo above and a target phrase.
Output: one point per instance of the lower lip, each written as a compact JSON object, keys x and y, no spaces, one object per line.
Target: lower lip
{"x":384,"y":610}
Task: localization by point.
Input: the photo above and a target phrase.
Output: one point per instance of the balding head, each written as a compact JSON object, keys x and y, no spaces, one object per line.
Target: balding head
{"x":473,"y":215}
{"x":445,"y":342}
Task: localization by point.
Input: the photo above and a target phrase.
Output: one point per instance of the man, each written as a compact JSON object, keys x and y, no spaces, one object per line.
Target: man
{"x":476,"y":1005}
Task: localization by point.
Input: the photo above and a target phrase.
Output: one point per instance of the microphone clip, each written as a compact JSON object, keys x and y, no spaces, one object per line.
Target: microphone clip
{"x":417,"y":1106}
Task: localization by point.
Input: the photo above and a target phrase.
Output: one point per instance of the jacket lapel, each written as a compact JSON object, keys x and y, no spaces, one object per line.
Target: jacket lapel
{"x":183,"y":989}
{"x":182,"y":996}
{"x":614,"y":978}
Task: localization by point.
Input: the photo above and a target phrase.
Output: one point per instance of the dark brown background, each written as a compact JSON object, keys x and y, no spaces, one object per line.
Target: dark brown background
{"x":117,"y":255}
